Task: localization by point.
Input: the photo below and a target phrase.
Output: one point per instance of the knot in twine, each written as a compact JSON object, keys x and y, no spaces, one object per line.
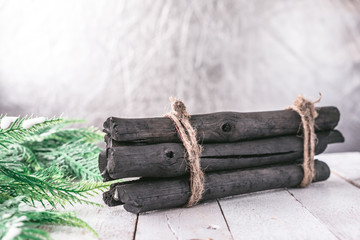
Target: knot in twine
{"x":187,"y":134}
{"x":306,"y":109}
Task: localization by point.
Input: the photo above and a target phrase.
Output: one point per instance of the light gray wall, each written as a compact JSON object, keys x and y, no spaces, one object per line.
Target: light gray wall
{"x":93,"y":59}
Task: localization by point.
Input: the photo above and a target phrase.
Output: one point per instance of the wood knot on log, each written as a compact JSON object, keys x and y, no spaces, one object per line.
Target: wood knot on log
{"x":226,"y":127}
{"x":169,"y":154}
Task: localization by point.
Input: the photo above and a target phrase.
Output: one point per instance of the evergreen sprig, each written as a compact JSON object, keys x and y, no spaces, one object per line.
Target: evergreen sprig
{"x":40,"y":164}
{"x":73,"y":150}
{"x":20,"y":222}
{"x":75,"y":158}
{"x":47,"y":186}
{"x":16,"y":133}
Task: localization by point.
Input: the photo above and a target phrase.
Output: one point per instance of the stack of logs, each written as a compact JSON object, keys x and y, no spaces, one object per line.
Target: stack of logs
{"x":242,"y":153}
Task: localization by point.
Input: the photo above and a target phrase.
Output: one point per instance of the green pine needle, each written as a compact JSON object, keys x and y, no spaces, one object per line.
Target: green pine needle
{"x":73,"y":150}
{"x":20,"y":222}
{"x":40,"y":164}
{"x":61,"y":136}
{"x":47,"y":186}
{"x":78,"y":158}
{"x":16,"y":133}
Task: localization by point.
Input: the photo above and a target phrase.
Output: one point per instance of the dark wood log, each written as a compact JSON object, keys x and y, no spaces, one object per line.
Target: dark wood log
{"x":218,"y":127}
{"x":102,"y":160}
{"x":108,"y":196}
{"x":147,"y":194}
{"x":167,"y":159}
{"x":335,"y":136}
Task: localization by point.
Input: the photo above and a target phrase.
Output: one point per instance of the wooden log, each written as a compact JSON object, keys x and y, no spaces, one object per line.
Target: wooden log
{"x":218,"y":127}
{"x":153,"y":194}
{"x":336,"y":137}
{"x":102,"y":160}
{"x":167,"y":159}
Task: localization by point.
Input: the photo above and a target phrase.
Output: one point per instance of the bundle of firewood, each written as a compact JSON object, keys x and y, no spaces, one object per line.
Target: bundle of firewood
{"x":242,"y":153}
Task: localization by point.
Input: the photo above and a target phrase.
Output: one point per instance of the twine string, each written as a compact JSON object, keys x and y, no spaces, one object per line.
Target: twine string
{"x":187,"y":134}
{"x":307,"y":112}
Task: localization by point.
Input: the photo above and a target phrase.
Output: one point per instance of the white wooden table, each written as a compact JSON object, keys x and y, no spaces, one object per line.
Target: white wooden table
{"x":325,"y":210}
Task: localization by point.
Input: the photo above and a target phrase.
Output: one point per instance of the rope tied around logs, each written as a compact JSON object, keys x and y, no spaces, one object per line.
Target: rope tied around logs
{"x":187,"y":133}
{"x":180,"y":117}
{"x":306,"y":109}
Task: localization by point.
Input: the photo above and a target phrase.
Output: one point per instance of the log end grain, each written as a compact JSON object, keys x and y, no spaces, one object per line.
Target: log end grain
{"x":336,"y":136}
{"x":323,"y":122}
{"x":109,"y":200}
{"x":102,"y":161}
{"x":322,"y":171}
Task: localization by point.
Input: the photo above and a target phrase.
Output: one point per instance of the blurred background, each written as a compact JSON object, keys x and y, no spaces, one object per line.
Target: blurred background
{"x":95,"y":59}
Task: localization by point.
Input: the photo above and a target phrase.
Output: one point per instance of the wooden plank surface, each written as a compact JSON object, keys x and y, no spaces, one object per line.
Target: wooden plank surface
{"x":109,"y":223}
{"x":335,"y":203}
{"x":325,"y":210}
{"x":204,"y":221}
{"x":345,"y":165}
{"x":271,"y":215}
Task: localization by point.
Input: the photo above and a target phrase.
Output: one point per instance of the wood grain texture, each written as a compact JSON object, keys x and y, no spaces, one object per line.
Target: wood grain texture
{"x":335,"y":203}
{"x":168,"y":159}
{"x":204,"y":221}
{"x":348,"y":168}
{"x":218,"y":127}
{"x":102,"y":219}
{"x":271,"y":215}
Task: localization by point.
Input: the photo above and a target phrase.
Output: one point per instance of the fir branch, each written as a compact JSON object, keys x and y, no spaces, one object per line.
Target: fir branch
{"x":33,"y":161}
{"x":78,"y":159}
{"x":16,"y":133}
{"x":73,"y":150}
{"x":47,"y":186}
{"x":21,"y":222}
{"x":56,"y":137}
{"x":22,"y":153}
